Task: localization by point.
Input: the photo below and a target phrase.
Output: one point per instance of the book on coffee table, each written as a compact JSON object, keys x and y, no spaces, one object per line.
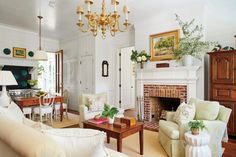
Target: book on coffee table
{"x":98,"y":121}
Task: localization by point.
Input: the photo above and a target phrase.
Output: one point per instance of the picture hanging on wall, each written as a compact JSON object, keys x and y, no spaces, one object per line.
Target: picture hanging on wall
{"x":162,"y":45}
{"x":105,"y":69}
{"x":19,"y":52}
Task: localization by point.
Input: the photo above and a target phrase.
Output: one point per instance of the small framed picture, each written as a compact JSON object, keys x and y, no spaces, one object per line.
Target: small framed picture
{"x":19,"y":52}
{"x":163,"y":45}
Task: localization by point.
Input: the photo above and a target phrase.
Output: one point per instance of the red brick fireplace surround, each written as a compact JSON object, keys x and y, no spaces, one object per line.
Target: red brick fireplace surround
{"x":164,"y":91}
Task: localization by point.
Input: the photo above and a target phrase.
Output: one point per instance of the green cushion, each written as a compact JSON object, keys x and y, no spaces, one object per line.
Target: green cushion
{"x":224,"y":114}
{"x":170,"y":129}
{"x":207,"y":110}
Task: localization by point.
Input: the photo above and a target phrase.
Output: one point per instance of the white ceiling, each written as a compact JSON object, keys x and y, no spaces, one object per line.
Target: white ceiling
{"x":60,"y":22}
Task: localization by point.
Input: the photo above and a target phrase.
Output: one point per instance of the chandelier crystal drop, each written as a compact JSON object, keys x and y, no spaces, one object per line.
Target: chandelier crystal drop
{"x":103,"y":21}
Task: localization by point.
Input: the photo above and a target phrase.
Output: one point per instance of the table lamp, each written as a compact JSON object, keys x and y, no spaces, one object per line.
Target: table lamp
{"x":6,"y":79}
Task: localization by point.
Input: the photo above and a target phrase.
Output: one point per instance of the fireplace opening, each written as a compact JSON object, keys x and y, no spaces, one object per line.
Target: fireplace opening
{"x":160,"y":105}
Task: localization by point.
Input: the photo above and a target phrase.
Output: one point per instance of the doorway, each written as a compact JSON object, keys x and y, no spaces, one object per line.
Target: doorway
{"x":50,"y":73}
{"x":126,"y":79}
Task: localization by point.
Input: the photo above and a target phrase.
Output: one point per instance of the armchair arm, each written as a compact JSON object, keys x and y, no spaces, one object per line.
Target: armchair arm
{"x":170,"y":116}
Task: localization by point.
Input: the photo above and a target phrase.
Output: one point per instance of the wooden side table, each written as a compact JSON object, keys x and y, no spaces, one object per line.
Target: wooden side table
{"x":197,"y":145}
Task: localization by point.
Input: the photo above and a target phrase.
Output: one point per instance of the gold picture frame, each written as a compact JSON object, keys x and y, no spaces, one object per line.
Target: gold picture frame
{"x":162,"y":45}
{"x":19,"y":52}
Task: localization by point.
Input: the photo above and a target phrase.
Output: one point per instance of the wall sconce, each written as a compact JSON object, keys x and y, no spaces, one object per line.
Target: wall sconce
{"x":105,"y":69}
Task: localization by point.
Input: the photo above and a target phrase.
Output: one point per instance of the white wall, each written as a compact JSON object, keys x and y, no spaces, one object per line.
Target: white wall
{"x":12,"y":37}
{"x":108,"y":49}
{"x":216,"y":17}
{"x":105,"y":49}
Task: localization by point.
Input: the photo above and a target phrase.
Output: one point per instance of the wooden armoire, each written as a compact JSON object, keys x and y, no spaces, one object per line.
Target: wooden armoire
{"x":223,"y":83}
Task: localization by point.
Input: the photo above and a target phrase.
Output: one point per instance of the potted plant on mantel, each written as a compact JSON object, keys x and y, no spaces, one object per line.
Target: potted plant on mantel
{"x":109,"y":112}
{"x":196,"y":126}
{"x":140,"y":57}
{"x":191,"y":44}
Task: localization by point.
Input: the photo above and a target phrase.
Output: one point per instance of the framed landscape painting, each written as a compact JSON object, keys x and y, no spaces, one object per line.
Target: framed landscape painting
{"x":19,"y":52}
{"x":162,"y":45}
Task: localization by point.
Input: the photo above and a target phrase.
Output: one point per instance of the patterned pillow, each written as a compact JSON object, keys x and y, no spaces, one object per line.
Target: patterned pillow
{"x":184,"y":112}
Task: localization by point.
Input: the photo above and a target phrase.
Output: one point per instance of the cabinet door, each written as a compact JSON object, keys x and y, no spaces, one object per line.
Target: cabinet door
{"x":223,"y":68}
{"x":87,"y":75}
{"x":231,"y":123}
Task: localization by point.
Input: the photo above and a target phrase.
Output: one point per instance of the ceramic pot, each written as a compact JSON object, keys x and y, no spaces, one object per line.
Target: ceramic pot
{"x":111,"y":120}
{"x":188,"y":60}
{"x":195,"y":131}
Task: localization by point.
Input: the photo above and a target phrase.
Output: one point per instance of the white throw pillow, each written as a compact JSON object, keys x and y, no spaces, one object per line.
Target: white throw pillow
{"x":79,"y":142}
{"x":96,"y":103}
{"x":13,"y":112}
{"x":184,"y":113}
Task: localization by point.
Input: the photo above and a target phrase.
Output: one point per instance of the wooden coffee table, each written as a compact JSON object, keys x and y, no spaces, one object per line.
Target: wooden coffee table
{"x":118,"y":133}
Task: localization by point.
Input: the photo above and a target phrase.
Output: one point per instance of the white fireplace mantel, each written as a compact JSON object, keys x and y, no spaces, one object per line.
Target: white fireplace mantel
{"x":169,"y":76}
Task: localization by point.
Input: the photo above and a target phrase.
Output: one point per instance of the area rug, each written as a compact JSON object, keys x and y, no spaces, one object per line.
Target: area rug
{"x":152,"y":147}
{"x":72,"y":120}
{"x":153,"y":126}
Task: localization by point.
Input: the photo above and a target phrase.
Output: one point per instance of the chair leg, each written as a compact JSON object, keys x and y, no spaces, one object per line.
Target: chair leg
{"x":41,"y":118}
{"x":51,"y":119}
{"x":67,"y":113}
{"x":30,"y":116}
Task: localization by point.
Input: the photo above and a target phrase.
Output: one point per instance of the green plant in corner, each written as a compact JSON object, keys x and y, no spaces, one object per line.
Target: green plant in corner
{"x":191,"y":43}
{"x":196,"y":125}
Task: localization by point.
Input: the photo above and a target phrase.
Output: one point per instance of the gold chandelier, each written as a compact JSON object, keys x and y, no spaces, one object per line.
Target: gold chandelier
{"x":103,"y":21}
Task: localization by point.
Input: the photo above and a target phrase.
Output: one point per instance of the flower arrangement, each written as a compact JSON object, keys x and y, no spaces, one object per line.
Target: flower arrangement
{"x":140,"y":57}
{"x":191,"y":43}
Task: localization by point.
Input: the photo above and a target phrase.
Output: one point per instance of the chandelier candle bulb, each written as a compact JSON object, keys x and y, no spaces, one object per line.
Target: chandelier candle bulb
{"x":89,"y":3}
{"x":115,"y":3}
{"x":126,"y":11}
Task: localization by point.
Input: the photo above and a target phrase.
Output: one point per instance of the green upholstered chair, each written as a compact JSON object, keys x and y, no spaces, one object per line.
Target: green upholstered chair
{"x":171,"y":134}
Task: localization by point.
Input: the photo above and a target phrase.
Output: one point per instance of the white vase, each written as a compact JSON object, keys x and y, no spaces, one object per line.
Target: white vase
{"x":188,"y":60}
{"x":111,"y":120}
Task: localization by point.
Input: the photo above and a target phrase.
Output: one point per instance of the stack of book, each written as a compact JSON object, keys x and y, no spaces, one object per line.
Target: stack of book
{"x":98,"y":121}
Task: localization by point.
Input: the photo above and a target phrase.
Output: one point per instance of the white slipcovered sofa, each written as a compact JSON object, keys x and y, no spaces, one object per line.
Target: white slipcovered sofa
{"x":24,"y":138}
{"x":87,"y":100}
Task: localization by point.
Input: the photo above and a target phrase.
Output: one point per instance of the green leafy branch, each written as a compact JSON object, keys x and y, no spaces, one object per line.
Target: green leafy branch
{"x":191,"y":43}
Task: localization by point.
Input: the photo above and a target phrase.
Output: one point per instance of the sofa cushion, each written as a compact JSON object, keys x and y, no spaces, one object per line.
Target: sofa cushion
{"x":79,"y":142}
{"x":184,"y":112}
{"x":26,"y":141}
{"x":95,"y":102}
{"x":170,"y":129}
{"x":207,"y":110}
{"x":13,"y":112}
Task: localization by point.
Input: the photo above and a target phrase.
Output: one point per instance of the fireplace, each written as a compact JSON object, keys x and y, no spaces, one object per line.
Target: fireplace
{"x":160,"y":105}
{"x":158,"y":98}
{"x":167,"y":85}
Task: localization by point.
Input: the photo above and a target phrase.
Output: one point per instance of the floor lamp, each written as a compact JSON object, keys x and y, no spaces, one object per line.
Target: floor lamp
{"x":6,"y":79}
